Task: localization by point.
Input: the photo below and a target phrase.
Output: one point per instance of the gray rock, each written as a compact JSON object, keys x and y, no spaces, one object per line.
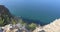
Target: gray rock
{"x":42,"y":31}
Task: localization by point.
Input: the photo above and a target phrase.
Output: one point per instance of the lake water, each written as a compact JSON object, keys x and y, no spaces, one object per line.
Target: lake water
{"x":44,"y":10}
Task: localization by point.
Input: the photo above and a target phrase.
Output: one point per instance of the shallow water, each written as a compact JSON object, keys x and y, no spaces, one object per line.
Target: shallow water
{"x":45,"y":11}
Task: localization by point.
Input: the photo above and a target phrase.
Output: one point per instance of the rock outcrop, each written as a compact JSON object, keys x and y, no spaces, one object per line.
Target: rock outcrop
{"x":9,"y":28}
{"x":5,"y":16}
{"x":39,"y":28}
{"x":4,"y":11}
{"x":52,"y":27}
{"x":14,"y":28}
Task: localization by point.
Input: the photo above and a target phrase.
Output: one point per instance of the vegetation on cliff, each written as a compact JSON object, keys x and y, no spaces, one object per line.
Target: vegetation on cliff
{"x":7,"y":18}
{"x":4,"y":16}
{"x":31,"y":26}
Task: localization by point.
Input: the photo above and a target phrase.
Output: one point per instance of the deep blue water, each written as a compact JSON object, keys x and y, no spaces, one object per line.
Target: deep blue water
{"x":44,"y":10}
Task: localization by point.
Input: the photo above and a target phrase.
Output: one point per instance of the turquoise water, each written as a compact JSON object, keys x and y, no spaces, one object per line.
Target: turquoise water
{"x":44,"y":10}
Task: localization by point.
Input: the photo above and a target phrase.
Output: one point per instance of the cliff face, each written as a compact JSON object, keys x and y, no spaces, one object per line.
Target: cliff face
{"x":5,"y":15}
{"x":53,"y":27}
{"x":4,"y":10}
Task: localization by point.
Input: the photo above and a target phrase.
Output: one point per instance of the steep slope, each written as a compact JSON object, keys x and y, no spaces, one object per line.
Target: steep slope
{"x":53,"y":27}
{"x":5,"y":15}
{"x":4,"y":10}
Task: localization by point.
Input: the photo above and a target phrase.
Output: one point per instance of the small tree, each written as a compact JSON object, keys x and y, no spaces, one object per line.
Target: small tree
{"x":31,"y":26}
{"x":22,"y":22}
{"x":13,"y":21}
{"x":1,"y":22}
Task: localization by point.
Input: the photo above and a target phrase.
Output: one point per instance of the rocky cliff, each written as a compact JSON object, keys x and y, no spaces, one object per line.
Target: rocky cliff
{"x":5,"y":15}
{"x":4,"y":10}
{"x":52,"y":27}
